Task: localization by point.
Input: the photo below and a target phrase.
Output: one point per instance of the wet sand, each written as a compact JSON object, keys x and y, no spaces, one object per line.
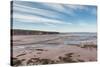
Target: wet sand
{"x":53,"y":49}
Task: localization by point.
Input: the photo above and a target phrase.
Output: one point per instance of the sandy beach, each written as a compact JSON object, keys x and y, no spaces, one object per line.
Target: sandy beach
{"x":53,"y":49}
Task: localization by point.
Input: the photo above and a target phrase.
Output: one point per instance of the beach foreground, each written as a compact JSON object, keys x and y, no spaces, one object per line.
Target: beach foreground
{"x":53,"y":49}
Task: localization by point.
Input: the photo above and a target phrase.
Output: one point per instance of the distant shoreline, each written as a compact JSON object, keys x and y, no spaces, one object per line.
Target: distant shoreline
{"x":30,"y":32}
{"x":38,"y":32}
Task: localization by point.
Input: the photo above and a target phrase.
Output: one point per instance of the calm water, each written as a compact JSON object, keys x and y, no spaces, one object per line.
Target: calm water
{"x":78,"y":38}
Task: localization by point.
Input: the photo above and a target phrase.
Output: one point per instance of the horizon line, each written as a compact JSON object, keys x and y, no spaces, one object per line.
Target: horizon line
{"x":57,"y":31}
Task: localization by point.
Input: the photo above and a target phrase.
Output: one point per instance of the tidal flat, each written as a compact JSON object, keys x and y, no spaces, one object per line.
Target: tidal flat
{"x":53,"y":48}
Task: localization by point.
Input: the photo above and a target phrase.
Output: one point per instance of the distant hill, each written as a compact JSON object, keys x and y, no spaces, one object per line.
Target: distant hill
{"x":30,"y":32}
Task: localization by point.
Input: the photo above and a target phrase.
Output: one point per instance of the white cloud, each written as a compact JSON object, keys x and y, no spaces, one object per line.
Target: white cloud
{"x":75,"y":7}
{"x":35,"y":19}
{"x":66,"y":8}
{"x":34,"y":10}
{"x":59,"y":8}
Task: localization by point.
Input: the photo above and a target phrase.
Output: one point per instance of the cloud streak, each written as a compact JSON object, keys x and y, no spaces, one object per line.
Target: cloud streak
{"x":34,"y":10}
{"x":53,"y":15}
{"x":34,"y":19}
{"x":37,"y":18}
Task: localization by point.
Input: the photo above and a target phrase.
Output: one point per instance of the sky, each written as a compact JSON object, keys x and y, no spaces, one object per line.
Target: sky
{"x":54,"y":17}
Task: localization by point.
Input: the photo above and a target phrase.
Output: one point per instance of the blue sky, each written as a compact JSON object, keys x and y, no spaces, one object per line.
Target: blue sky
{"x":54,"y":17}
